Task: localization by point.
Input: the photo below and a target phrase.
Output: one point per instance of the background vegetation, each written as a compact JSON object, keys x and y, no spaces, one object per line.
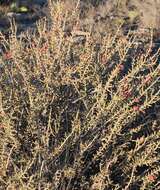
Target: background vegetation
{"x":78,"y":109}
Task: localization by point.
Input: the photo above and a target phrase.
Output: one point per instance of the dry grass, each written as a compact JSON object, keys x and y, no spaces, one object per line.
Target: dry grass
{"x":78,"y":115}
{"x":4,"y":10}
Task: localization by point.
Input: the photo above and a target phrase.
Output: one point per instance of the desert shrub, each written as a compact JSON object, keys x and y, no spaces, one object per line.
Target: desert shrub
{"x":78,"y":114}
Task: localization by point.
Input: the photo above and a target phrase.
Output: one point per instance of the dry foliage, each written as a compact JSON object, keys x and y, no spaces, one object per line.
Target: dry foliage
{"x":78,"y":114}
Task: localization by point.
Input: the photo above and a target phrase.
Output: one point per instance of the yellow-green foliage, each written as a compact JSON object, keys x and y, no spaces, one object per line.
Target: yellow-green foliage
{"x":78,"y":115}
{"x":133,"y":15}
{"x":15,"y":8}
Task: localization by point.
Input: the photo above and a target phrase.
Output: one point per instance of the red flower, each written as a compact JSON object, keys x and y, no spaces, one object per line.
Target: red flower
{"x":33,"y":45}
{"x":103,"y":59}
{"x":7,"y":55}
{"x":136,"y":108}
{"x":126,"y":93}
{"x":151,"y":178}
{"x":121,"y":67}
{"x":44,"y":48}
{"x":2,"y":126}
{"x":147,"y":79}
{"x":136,"y":100}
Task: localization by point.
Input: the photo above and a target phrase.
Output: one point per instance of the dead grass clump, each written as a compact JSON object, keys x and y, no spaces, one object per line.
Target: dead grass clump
{"x":78,"y":115}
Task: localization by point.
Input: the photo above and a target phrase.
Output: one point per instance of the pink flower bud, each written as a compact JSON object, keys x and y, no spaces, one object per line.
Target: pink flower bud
{"x":151,"y":178}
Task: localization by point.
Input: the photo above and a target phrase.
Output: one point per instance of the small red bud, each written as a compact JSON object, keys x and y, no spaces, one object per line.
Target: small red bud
{"x":151,"y":178}
{"x":147,"y":79}
{"x":7,"y":56}
{"x":136,"y":100}
{"x":121,"y":67}
{"x":136,"y":108}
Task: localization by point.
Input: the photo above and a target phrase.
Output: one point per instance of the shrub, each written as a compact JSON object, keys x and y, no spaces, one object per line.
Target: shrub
{"x":78,"y":115}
